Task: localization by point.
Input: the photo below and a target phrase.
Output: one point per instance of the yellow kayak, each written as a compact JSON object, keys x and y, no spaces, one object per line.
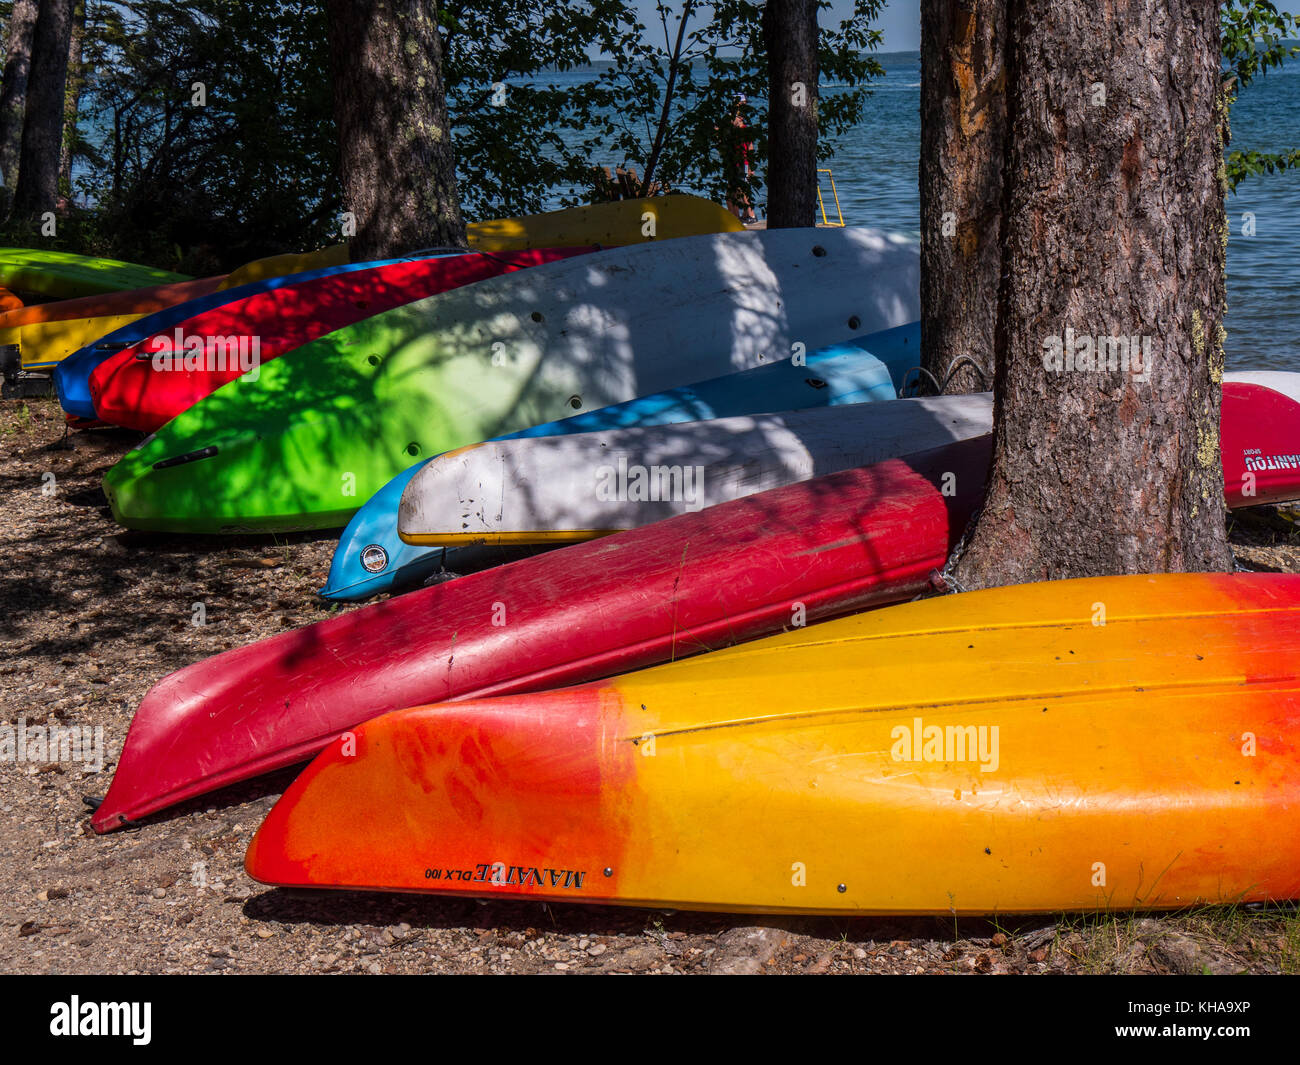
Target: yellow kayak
{"x":1114,"y":743}
{"x":617,"y":223}
{"x":281,"y":265}
{"x":621,"y":222}
{"x":43,"y":345}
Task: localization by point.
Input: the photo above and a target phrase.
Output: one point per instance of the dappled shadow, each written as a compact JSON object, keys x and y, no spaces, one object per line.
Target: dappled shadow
{"x":330,"y":423}
{"x":865,"y":370}
{"x":128,"y":389}
{"x":574,"y":484}
{"x":78,"y":583}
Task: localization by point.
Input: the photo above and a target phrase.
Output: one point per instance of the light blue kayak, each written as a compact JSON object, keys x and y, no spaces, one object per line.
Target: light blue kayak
{"x":72,"y":375}
{"x":371,"y":559}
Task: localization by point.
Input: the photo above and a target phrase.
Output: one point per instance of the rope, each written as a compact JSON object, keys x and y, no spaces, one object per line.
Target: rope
{"x":941,"y":388}
{"x":985,"y":378}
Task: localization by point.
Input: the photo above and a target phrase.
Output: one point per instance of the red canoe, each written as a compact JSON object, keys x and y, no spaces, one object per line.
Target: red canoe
{"x":729,"y":573}
{"x":128,"y":391}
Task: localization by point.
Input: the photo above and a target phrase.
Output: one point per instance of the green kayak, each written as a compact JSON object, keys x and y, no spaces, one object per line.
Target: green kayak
{"x":308,"y":438}
{"x":65,"y":275}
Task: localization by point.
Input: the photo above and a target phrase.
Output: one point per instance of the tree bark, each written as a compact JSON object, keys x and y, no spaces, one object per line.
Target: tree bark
{"x":1114,"y":226}
{"x":790,"y":37}
{"x":13,"y":87}
{"x":963,"y":132}
{"x":38,"y":162}
{"x":397,"y":164}
{"x":72,"y":101}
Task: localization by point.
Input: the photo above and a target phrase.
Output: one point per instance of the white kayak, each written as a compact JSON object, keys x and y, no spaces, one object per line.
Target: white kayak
{"x":567,"y":488}
{"x":563,"y":489}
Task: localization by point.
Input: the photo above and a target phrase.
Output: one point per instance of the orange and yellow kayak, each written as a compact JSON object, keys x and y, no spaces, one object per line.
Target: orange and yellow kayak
{"x":1122,"y":743}
{"x":47,"y":333}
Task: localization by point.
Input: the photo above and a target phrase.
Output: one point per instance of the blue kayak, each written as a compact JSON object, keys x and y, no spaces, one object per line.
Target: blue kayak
{"x":72,"y":375}
{"x":371,"y":559}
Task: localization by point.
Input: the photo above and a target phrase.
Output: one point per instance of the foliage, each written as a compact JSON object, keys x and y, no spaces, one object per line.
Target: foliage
{"x":249,"y":170}
{"x":1254,"y":38}
{"x":540,"y":137}
{"x":253,"y":170}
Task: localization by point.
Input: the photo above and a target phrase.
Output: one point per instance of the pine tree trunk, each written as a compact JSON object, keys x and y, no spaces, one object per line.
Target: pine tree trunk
{"x":963,"y":130}
{"x":397,"y":163}
{"x":72,"y":102}
{"x":38,"y":163}
{"x":1114,"y":227}
{"x":790,"y":37}
{"x":13,"y":87}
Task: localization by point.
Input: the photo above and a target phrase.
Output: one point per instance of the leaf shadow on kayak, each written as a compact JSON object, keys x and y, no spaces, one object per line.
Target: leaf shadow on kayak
{"x":147,"y":384}
{"x":328,"y":424}
{"x":623,"y":479}
{"x":216,"y":312}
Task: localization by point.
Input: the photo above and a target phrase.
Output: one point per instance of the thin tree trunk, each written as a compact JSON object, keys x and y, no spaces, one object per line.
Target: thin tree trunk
{"x":397,"y":164}
{"x":963,"y":130}
{"x":661,"y":132}
{"x":1114,"y":227}
{"x":72,"y":103}
{"x":790,"y":37}
{"x":13,"y":87}
{"x":38,"y":164}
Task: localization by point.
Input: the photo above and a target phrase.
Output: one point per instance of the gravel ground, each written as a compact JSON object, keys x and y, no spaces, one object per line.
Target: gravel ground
{"x":91,"y":616}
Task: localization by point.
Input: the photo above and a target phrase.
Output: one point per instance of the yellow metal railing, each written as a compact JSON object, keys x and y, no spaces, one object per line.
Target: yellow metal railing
{"x":826,"y":221}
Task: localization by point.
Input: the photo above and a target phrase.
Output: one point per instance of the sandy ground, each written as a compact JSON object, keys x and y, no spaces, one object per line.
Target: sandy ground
{"x":91,"y":616}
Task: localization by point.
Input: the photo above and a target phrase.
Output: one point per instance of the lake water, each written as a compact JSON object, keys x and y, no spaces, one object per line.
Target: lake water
{"x":875,"y":171}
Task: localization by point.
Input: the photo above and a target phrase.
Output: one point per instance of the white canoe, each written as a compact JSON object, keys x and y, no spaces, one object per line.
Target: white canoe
{"x":557,"y":489}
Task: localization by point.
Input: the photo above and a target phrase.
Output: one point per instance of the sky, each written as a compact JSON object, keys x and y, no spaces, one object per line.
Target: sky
{"x":900,"y":21}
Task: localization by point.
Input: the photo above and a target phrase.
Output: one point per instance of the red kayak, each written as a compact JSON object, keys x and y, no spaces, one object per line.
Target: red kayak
{"x":129,"y":390}
{"x":1260,"y":441}
{"x":734,"y":572}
